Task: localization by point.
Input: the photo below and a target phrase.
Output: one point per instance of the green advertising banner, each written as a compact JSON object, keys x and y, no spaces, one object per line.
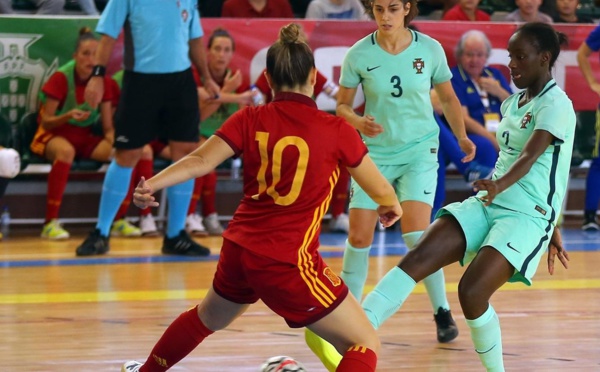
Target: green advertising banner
{"x":32,"y":49}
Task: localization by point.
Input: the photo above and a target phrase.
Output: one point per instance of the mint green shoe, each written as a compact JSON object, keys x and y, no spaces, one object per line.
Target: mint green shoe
{"x":53,"y":230}
{"x":124,"y":228}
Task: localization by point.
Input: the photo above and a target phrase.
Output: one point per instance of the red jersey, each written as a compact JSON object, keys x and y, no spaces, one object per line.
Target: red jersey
{"x":243,"y":9}
{"x":57,"y":87}
{"x":457,"y":14}
{"x":292,"y":153}
{"x":263,"y":85}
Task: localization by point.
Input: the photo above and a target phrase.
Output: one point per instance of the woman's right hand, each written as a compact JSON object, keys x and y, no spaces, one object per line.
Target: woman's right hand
{"x":369,"y":127}
{"x":79,"y":115}
{"x":232,"y":81}
{"x":142,"y":195}
{"x":388,"y":215}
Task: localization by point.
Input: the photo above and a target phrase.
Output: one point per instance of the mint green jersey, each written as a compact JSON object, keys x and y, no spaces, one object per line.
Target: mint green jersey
{"x":540,"y":192}
{"x":396,"y":89}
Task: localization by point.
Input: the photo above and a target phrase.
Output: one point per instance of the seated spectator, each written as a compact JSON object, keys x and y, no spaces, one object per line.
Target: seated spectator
{"x":51,"y":7}
{"x":65,"y":126}
{"x":257,"y":9}
{"x":528,"y":11}
{"x":466,"y":10}
{"x":566,"y":12}
{"x":336,"y":9}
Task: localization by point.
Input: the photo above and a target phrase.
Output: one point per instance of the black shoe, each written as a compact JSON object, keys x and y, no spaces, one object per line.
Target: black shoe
{"x":446,"y":328}
{"x":183,"y":245}
{"x":589,"y":221}
{"x":94,"y":244}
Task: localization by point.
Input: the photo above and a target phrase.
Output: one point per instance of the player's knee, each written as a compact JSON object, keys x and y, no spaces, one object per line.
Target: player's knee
{"x":472,"y":298}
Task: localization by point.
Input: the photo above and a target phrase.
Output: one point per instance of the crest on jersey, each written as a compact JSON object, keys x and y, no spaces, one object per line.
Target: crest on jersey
{"x":184,"y":15}
{"x":526,"y":120}
{"x":334,"y":279}
{"x":419,"y":65}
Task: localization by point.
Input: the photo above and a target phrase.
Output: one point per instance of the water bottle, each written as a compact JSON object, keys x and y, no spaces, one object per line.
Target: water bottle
{"x":257,"y":97}
{"x":236,"y":164}
{"x":5,"y":221}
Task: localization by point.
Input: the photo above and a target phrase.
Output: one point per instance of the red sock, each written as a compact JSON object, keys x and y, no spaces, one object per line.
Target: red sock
{"x":179,"y":339}
{"x":144,"y":168}
{"x":57,"y":181}
{"x":358,"y":359}
{"x":340,"y":193}
{"x":198,"y":185}
{"x":209,"y":194}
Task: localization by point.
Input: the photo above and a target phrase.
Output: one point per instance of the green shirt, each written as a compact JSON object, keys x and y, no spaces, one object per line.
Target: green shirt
{"x":541,"y":191}
{"x":396,"y":89}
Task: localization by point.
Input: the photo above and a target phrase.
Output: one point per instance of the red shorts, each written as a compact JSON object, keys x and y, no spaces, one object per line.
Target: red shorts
{"x":301,"y":295}
{"x":82,"y":139}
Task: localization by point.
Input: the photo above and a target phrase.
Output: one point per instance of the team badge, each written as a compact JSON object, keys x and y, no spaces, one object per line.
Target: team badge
{"x":419,"y":65}
{"x":526,"y":120}
{"x":334,"y":279}
{"x":184,"y":15}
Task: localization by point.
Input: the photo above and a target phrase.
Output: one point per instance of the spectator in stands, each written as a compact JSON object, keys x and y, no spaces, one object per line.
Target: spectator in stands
{"x":144,"y":168}
{"x":257,"y":9}
{"x":65,"y":126}
{"x":210,"y":8}
{"x":528,"y":11}
{"x":339,"y":221}
{"x":466,"y":10}
{"x":158,"y":93}
{"x":213,"y":113}
{"x":336,"y":9}
{"x":592,"y":186}
{"x":50,"y":7}
{"x":430,"y":5}
{"x":566,"y":12}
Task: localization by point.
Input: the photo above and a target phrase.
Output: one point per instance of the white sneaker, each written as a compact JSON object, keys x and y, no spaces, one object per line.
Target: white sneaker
{"x":131,"y":366}
{"x":194,"y":226}
{"x":212,"y":224}
{"x":341,"y":223}
{"x":148,"y":226}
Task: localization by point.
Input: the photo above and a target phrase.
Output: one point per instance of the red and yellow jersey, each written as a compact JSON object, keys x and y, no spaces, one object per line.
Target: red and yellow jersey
{"x":292,"y":153}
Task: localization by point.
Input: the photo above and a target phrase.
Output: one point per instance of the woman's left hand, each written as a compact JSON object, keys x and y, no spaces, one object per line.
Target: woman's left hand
{"x":556,"y":249}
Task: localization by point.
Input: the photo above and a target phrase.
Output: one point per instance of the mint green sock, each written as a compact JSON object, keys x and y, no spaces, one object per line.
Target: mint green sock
{"x":387,"y":297}
{"x":487,"y":338}
{"x":355,"y":269}
{"x":434,"y":283}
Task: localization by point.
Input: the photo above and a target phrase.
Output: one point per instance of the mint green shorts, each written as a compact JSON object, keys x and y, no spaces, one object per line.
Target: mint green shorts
{"x":520,"y":238}
{"x":415,"y":181}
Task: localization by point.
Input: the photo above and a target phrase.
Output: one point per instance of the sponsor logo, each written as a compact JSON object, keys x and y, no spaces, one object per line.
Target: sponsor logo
{"x":540,"y":210}
{"x":427,"y":192}
{"x":122,"y":139}
{"x":334,"y":279}
{"x":369,"y":69}
{"x":184,"y":15}
{"x":511,"y":247}
{"x":419,"y":65}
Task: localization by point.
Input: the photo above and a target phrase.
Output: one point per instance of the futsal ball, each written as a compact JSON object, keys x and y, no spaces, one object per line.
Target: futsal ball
{"x":282,"y":363}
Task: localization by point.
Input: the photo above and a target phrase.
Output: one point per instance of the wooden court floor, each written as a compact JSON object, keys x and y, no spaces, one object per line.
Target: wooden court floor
{"x":61,"y":313}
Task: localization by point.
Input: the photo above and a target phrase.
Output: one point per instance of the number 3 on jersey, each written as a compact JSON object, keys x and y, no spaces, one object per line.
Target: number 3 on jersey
{"x":395,"y":80}
{"x":263,"y":139}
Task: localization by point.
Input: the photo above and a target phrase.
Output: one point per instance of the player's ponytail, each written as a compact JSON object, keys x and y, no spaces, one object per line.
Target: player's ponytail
{"x":85,"y":33}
